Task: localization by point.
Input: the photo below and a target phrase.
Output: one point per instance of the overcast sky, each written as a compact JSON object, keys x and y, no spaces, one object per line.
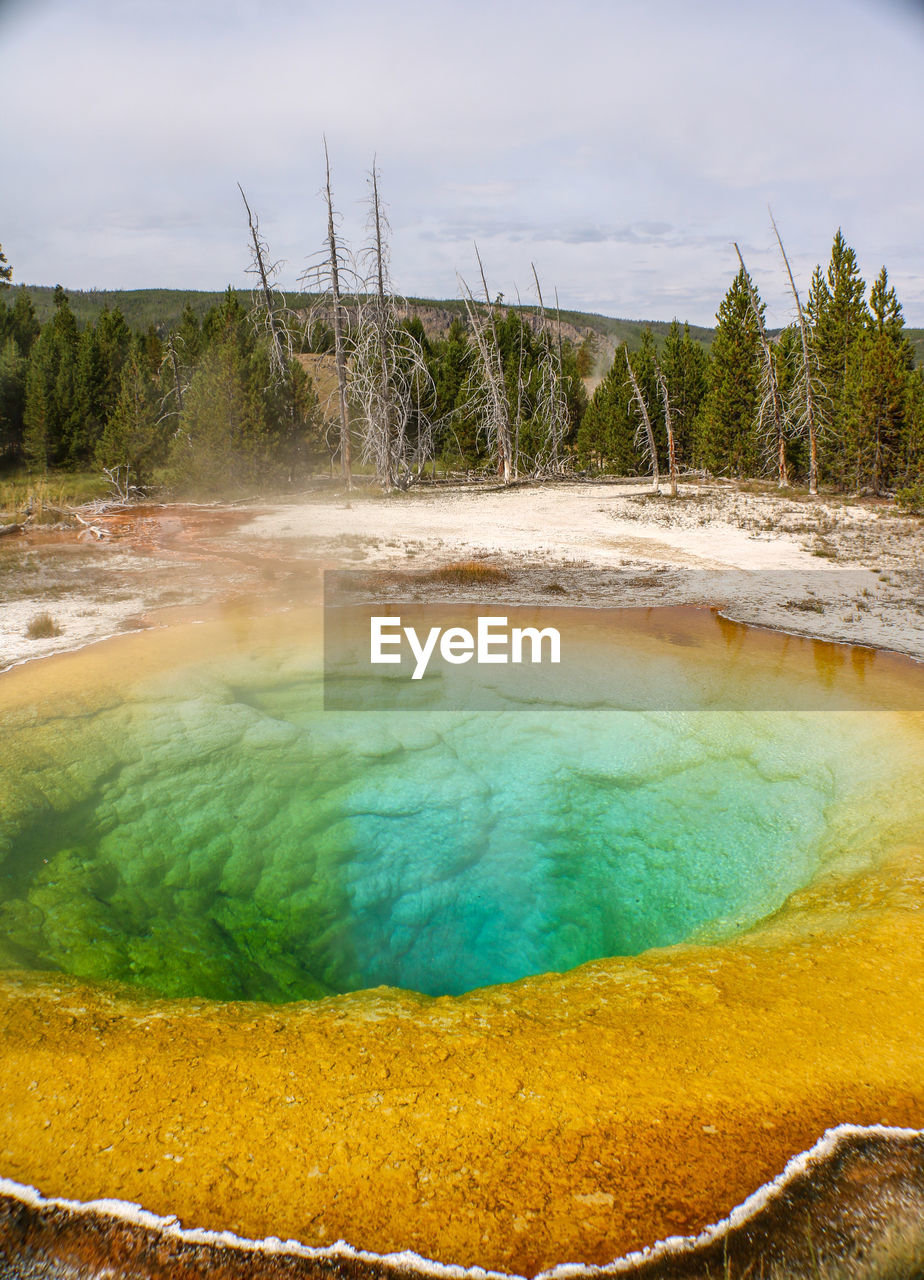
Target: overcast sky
{"x":621,"y":146}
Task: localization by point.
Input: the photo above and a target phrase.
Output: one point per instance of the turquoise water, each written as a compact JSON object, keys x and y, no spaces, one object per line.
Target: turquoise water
{"x":225,"y":837}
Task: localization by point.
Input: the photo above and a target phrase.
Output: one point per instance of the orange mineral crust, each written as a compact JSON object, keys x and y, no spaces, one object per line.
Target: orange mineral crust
{"x":569,"y":1117}
{"x":161,"y":798}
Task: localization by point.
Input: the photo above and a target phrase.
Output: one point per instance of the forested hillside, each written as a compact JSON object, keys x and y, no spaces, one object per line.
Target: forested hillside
{"x":164,"y":308}
{"x":212,"y":394}
{"x":845,"y":388}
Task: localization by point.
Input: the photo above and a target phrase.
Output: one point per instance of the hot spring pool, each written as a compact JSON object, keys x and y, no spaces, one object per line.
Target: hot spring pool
{"x":742,"y":892}
{"x":207,"y":829}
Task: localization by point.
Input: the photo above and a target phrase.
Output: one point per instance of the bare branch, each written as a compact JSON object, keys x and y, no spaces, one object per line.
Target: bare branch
{"x":645,"y":434}
{"x":180,"y":376}
{"x":669,"y":425}
{"x":552,"y":404}
{"x":487,"y":387}
{"x":771,"y":399}
{"x":268,"y":315}
{"x":323,"y":276}
{"x":805,"y":388}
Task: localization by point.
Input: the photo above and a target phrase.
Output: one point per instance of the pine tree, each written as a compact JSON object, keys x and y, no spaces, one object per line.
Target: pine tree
{"x":6,"y":271}
{"x":132,"y":440}
{"x":12,"y":398}
{"x":606,"y":437}
{"x":150,"y":350}
{"x":838,"y":316}
{"x":85,"y":425}
{"x":188,"y":337}
{"x":726,"y":440}
{"x":885,"y":317}
{"x":840,"y":324}
{"x":115,"y":342}
{"x":221,"y":438}
{"x":294,"y":430}
{"x":910,"y":462}
{"x":40,"y":434}
{"x":24,"y":325}
{"x":18,"y":331}
{"x":102,"y":351}
{"x":226,"y":321}
{"x":879,"y":423}
{"x":685,"y":364}
{"x":456,"y":437}
{"x":51,"y":383}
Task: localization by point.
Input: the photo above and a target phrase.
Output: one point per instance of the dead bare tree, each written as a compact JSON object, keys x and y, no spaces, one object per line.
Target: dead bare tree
{"x":552,"y":402}
{"x":521,"y":390}
{"x":669,"y":426}
{"x":346,"y":460}
{"x":804,"y":389}
{"x":178,"y":376}
{"x":324,"y":276}
{"x":267,"y":314}
{"x":487,"y":389}
{"x":771,"y":400}
{"x":644,"y":436}
{"x":119,"y":477}
{"x":388,"y":376}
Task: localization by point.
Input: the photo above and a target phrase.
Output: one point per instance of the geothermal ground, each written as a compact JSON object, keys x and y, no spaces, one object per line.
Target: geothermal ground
{"x":567,"y":1117}
{"x":600,"y":544}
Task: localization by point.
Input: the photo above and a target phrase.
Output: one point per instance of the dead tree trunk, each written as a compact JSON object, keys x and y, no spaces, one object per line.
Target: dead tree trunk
{"x":552,"y":398}
{"x":346,"y":462}
{"x":175,"y":369}
{"x":520,"y":389}
{"x":669,"y":426}
{"x":278,"y":349}
{"x":645,"y":422}
{"x":561,"y":370}
{"x":391,"y":389}
{"x":771,"y":396}
{"x":489,"y":397}
{"x":389,"y":478}
{"x":503,"y":411}
{"x":808,"y":420}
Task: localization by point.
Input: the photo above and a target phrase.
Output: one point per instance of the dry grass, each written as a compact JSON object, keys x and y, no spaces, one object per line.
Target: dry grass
{"x":42,"y":627}
{"x":44,"y":496}
{"x":825,"y":548}
{"x":465,"y":572}
{"x":806,"y":606}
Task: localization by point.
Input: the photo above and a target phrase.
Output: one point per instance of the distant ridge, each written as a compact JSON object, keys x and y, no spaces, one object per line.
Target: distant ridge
{"x":163,"y":308}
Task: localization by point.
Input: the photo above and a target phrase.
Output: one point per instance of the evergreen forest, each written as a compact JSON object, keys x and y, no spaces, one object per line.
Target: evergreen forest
{"x":230,"y":399}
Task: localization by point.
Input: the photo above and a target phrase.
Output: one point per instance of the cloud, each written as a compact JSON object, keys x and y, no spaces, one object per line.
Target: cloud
{"x":624,"y":145}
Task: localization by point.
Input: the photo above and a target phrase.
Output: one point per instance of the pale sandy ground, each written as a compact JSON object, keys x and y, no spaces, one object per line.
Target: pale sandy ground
{"x":828,"y":568}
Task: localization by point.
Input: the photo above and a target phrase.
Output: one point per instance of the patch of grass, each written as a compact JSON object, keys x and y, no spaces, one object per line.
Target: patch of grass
{"x":824,"y":548}
{"x":42,"y":627}
{"x":757,"y":486}
{"x":911,"y":500}
{"x":806,"y":606}
{"x":24,"y":492}
{"x":465,"y":572}
{"x":555,"y":589}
